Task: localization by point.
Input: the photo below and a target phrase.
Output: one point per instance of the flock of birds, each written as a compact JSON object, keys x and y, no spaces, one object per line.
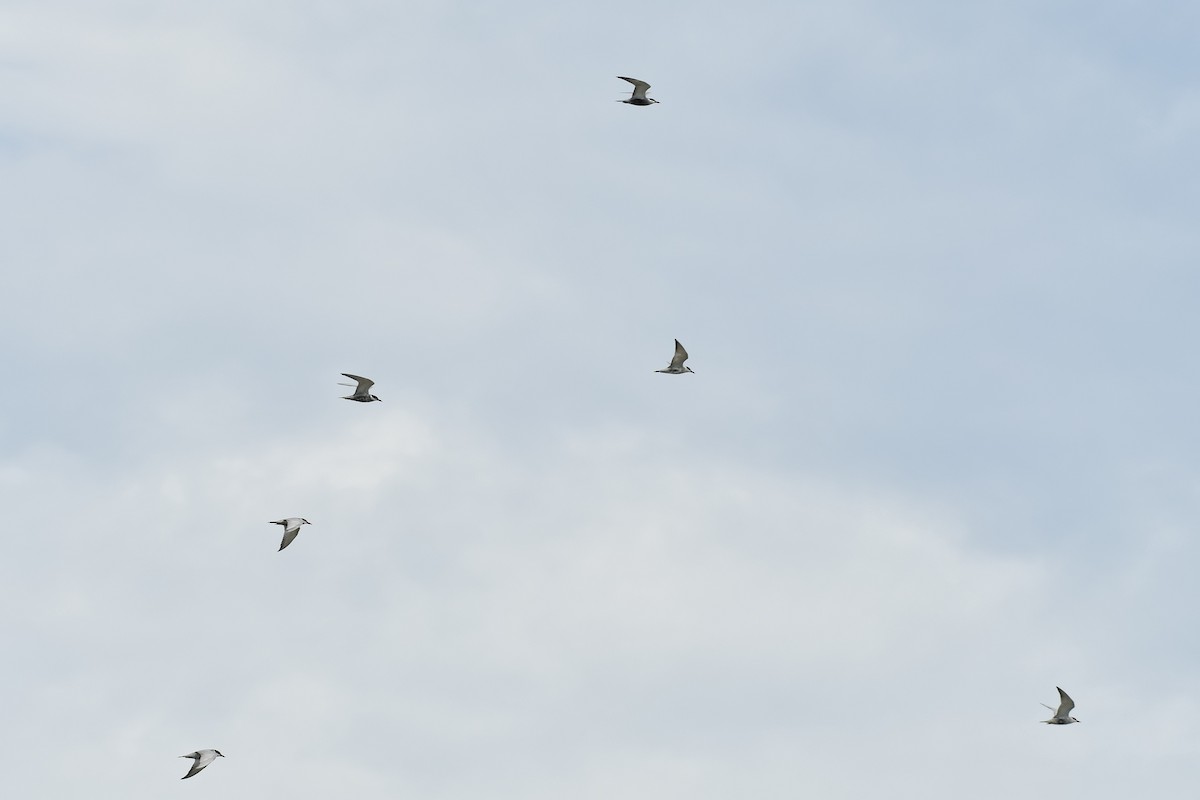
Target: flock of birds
{"x":362,"y":394}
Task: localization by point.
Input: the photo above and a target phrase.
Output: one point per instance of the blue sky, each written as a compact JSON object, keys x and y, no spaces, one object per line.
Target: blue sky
{"x":935,"y":266}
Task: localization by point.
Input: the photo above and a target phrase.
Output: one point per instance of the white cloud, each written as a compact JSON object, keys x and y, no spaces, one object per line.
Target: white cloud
{"x":932,"y":270}
{"x":453,"y":594}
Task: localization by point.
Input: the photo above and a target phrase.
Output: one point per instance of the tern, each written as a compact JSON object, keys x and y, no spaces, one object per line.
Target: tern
{"x":362,"y":390}
{"x":676,"y":366}
{"x":1062,"y":715}
{"x":291,"y":527}
{"x":638,"y":98}
{"x":203,"y":759}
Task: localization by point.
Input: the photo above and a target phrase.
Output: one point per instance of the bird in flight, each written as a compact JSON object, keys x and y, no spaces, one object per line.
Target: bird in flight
{"x":638,"y":98}
{"x":676,"y":366}
{"x":1062,"y":715}
{"x":362,"y":390}
{"x":291,"y":527}
{"x":203,"y":759}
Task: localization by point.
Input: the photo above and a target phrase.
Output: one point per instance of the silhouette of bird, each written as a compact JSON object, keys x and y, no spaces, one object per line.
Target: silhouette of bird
{"x":203,"y":759}
{"x":676,"y":366}
{"x":362,"y":390}
{"x":291,"y":527}
{"x":638,"y":98}
{"x":1062,"y":715}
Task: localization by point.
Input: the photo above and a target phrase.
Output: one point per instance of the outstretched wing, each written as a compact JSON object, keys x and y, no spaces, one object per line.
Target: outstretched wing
{"x":289,"y":534}
{"x":1066,"y":704}
{"x":364,"y":384}
{"x":202,"y":761}
{"x":679,"y":357}
{"x":639,"y":87}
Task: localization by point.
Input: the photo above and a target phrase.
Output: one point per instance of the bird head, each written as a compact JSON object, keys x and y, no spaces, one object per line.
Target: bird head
{"x":1074,"y":720}
{"x":305,"y":522}
{"x":218,"y":752}
{"x":689,"y":369}
{"x":373,"y":397}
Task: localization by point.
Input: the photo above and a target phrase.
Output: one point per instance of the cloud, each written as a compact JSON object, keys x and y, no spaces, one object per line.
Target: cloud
{"x":451,"y":595}
{"x":932,"y":269}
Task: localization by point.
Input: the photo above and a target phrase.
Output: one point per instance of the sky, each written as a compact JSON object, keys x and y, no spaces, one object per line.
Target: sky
{"x":935,"y":264}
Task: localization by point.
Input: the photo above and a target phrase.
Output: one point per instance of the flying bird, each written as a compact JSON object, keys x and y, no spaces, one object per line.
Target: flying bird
{"x":362,"y":390}
{"x":291,"y":527}
{"x":676,"y":366}
{"x":638,"y":98}
{"x":1062,"y":715}
{"x":203,"y":759}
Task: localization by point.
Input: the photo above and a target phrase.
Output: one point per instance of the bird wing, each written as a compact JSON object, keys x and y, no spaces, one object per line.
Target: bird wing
{"x":679,"y":357}
{"x":289,"y":535}
{"x":364,"y":384}
{"x":202,"y":761}
{"x":639,"y":87}
{"x":1065,"y":705}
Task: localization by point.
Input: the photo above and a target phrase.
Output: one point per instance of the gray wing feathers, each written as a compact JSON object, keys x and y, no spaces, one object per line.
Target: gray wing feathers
{"x":364,"y":384}
{"x":289,"y":535}
{"x":1066,"y":705}
{"x":680,"y":356}
{"x":202,"y":761}
{"x":639,"y":87}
